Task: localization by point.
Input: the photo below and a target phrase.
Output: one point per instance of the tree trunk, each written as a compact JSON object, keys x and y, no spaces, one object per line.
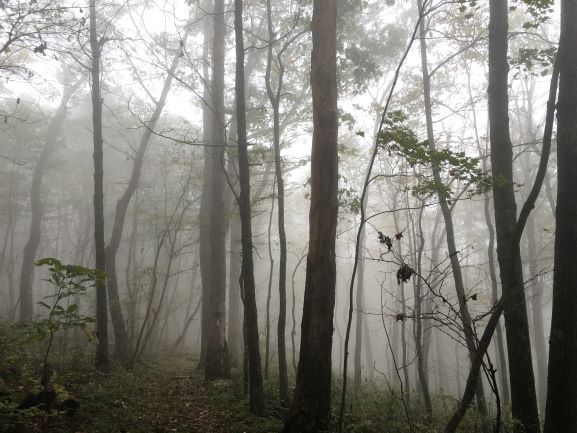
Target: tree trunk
{"x":250,"y":311}
{"x":418,"y":329}
{"x":311,"y":406}
{"x":213,"y":258}
{"x":537,"y":308}
{"x":357,"y":378}
{"x":101,"y":359}
{"x":451,"y":244}
{"x":501,"y":350}
{"x":269,"y":288}
{"x":274,"y":98}
{"x":235,"y":337}
{"x":523,"y":396}
{"x":31,"y":247}
{"x":120,"y":335}
{"x":205,"y":199}
{"x":561,"y":410}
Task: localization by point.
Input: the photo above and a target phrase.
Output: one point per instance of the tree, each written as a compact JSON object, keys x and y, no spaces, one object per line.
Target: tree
{"x":31,"y":247}
{"x":310,"y":411}
{"x":213,"y":266}
{"x":274,"y":96}
{"x":100,"y":253}
{"x":450,"y":232}
{"x":523,"y":395}
{"x":247,"y":270}
{"x":561,"y":409}
{"x":121,"y":340}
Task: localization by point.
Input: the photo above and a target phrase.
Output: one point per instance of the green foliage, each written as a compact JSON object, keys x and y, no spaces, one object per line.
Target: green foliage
{"x":348,"y":196}
{"x":18,"y":366}
{"x":69,"y":281}
{"x":538,"y":10}
{"x":534,"y":60}
{"x":399,"y":139}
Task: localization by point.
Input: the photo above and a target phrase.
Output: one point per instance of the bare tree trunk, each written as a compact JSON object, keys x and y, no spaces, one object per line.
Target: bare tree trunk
{"x":235,"y":337}
{"x":501,"y":350}
{"x":274,"y":98}
{"x":369,"y":360}
{"x":5,"y":243}
{"x":418,"y":329}
{"x":357,"y":381}
{"x":121,"y":339}
{"x":311,"y":406}
{"x":250,"y":309}
{"x":446,"y":211}
{"x":101,"y":359}
{"x":523,"y":396}
{"x":403,"y":306}
{"x":537,"y":307}
{"x":205,"y":200}
{"x":561,"y":410}
{"x":31,"y":247}
{"x":269,"y":288}
{"x":213,"y":259}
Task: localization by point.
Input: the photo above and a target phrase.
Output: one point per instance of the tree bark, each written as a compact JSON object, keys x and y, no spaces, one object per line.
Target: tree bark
{"x":274,"y":98}
{"x":501,"y":350}
{"x":101,"y":359}
{"x":449,"y":229}
{"x":235,"y":337}
{"x":256,"y":396}
{"x":310,"y":410}
{"x":205,"y":199}
{"x":357,"y":378}
{"x":523,"y":395}
{"x":118,"y":324}
{"x":31,"y":247}
{"x":213,"y":258}
{"x":561,"y":410}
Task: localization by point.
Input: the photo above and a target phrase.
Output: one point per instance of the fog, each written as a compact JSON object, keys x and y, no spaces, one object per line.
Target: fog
{"x":170,"y":228}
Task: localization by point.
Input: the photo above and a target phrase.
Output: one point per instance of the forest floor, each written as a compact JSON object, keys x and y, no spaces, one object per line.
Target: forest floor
{"x":167,"y":395}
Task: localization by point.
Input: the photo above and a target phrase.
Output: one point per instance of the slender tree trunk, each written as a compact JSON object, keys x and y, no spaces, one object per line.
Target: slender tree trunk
{"x":501,"y":350}
{"x":100,"y":254}
{"x":205,"y":199}
{"x":274,"y":98}
{"x":235,"y":337}
{"x":561,"y":410}
{"x":250,"y":309}
{"x":418,"y":329}
{"x":31,"y":247}
{"x":5,"y":243}
{"x":118,"y":324}
{"x":446,"y":211}
{"x":357,"y":381}
{"x":269,"y":288}
{"x":369,"y":360}
{"x":537,"y":307}
{"x":403,"y":306}
{"x":523,"y":396}
{"x":311,"y":406}
{"x":131,"y":272}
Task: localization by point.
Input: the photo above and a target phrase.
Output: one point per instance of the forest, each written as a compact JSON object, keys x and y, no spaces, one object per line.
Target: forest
{"x":291,"y":216}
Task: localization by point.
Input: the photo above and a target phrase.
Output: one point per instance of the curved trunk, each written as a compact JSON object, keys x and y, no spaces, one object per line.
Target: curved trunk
{"x":118,"y":324}
{"x":31,"y":247}
{"x":451,"y":244}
